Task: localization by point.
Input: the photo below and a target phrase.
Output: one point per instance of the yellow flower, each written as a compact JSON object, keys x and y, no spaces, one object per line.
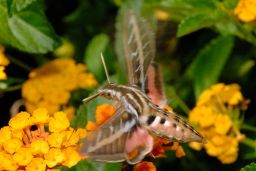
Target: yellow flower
{"x":23,"y":156}
{"x":222,"y":124}
{"x":56,"y":139}
{"x":58,"y":97}
{"x":59,"y":122}
{"x":3,"y":75}
{"x":40,"y":116}
{"x":82,"y":133}
{"x":66,"y":50}
{"x":86,"y":80}
{"x":161,"y":15}
{"x":20,"y":121}
{"x":3,"y":63}
{"x":50,"y":86}
{"x":39,"y":147}
{"x":17,"y":133}
{"x":72,"y":157}
{"x":3,"y":60}
{"x":71,"y":138}
{"x":213,"y":116}
{"x":7,"y":162}
{"x":245,"y":10}
{"x":70,"y":111}
{"x":5,"y":134}
{"x":54,"y":157}
{"x":12,"y":145}
{"x":36,"y":164}
{"x":202,"y":115}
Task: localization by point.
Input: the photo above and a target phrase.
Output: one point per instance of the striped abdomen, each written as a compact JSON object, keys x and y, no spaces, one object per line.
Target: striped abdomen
{"x":168,"y":125}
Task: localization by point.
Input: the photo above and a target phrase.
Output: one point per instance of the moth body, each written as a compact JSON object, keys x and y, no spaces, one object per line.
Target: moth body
{"x":156,"y":120}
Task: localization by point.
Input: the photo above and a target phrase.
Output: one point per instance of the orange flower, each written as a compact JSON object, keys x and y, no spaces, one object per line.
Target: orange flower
{"x":103,"y":112}
{"x":145,"y":166}
{"x":161,"y":145}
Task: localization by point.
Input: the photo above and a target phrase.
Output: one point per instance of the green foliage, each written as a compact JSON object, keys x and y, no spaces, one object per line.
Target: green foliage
{"x":92,"y":58}
{"x":93,"y":166}
{"x":24,"y":26}
{"x":193,"y":23}
{"x":208,"y":64}
{"x":249,"y":167}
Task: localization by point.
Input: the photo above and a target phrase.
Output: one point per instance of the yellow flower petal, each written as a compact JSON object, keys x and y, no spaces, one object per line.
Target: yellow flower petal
{"x":3,"y":75}
{"x":222,"y":124}
{"x":36,"y":164}
{"x":18,"y":133}
{"x":39,"y":147}
{"x":72,"y":157}
{"x":23,"y":156}
{"x":20,"y":121}
{"x":59,"y":122}
{"x":71,"y":138}
{"x":40,"y":116}
{"x":56,"y":139}
{"x":7,"y":162}
{"x":82,"y":133}
{"x":12,"y":145}
{"x":5,"y":134}
{"x":54,"y":157}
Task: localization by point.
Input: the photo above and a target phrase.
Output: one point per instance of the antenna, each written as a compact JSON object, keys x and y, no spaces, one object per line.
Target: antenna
{"x":105,"y":67}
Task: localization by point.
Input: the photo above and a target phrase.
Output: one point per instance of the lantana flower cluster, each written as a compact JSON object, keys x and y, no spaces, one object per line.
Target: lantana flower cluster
{"x":246,"y":10}
{"x":217,"y":116}
{"x":3,"y":63}
{"x":26,"y":145}
{"x":50,"y":86}
{"x":161,"y":145}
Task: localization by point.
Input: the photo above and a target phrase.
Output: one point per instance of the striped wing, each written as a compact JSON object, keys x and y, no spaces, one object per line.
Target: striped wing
{"x":154,"y":85}
{"x":139,"y":47}
{"x":117,"y":140}
{"x":168,"y":125}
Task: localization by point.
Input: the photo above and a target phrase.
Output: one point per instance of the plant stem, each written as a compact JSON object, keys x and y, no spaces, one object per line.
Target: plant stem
{"x":12,"y":88}
{"x":249,"y":142}
{"x":248,"y":127}
{"x":19,"y":63}
{"x":182,"y":105}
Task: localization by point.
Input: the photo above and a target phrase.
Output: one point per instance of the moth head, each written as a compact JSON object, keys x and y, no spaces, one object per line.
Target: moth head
{"x":108,"y":91}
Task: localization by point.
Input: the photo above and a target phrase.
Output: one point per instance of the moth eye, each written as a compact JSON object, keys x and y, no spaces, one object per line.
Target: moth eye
{"x":108,"y":94}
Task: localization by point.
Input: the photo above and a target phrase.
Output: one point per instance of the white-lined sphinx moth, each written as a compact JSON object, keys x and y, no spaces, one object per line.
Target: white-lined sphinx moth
{"x":127,"y":134}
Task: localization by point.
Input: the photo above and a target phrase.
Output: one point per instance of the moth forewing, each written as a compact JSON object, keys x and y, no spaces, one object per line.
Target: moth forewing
{"x":117,"y":140}
{"x":139,"y":47}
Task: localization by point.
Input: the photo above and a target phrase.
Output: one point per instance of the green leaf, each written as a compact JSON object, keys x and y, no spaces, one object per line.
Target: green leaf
{"x":84,"y":165}
{"x":92,"y":55}
{"x":249,"y":167}
{"x":24,"y":26}
{"x":113,"y":167}
{"x":208,"y":64}
{"x":194,"y":22}
{"x":81,"y":166}
{"x":80,"y":119}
